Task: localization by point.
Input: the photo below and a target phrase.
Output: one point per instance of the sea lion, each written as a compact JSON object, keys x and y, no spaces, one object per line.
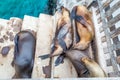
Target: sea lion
{"x":84,"y":65}
{"x":94,"y":69}
{"x":24,"y":52}
{"x":75,"y":56}
{"x":83,"y":27}
{"x":63,"y":35}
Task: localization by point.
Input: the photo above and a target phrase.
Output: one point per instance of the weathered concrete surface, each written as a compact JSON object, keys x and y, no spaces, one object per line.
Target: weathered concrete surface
{"x":30,"y":24}
{"x":64,"y":70}
{"x":8,"y":29}
{"x":44,"y":39}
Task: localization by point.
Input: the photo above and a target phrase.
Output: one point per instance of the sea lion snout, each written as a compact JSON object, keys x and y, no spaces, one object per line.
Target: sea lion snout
{"x":87,"y":59}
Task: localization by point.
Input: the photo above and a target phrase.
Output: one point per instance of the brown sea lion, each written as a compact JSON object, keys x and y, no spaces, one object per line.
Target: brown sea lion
{"x":84,"y":66}
{"x":63,"y":35}
{"x":24,"y":52}
{"x":94,"y":69}
{"x":83,"y":25}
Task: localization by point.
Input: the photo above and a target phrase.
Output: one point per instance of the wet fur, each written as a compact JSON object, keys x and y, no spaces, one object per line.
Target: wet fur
{"x":75,"y":57}
{"x":24,"y":52}
{"x":63,"y":35}
{"x":84,"y":66}
{"x":63,"y":31}
{"x":83,"y":24}
{"x":94,"y":69}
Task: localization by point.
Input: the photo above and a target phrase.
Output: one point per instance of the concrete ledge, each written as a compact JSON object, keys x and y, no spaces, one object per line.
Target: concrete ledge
{"x":8,"y":29}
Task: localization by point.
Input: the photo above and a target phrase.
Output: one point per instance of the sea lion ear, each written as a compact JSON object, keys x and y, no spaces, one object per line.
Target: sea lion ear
{"x":61,"y":7}
{"x":82,"y":59}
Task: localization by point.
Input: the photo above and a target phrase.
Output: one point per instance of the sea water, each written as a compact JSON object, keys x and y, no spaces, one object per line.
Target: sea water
{"x":19,"y":8}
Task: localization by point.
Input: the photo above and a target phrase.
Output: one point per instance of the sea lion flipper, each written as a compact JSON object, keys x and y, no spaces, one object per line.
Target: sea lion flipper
{"x":16,"y":49}
{"x":73,"y":16}
{"x":73,"y":12}
{"x":59,"y":59}
{"x":59,"y":48}
{"x":80,"y":19}
{"x":16,"y":39}
{"x":62,"y":44}
{"x":44,"y":56}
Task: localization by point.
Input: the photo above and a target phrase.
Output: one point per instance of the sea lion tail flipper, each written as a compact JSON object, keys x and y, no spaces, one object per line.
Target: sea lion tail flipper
{"x":59,"y":60}
{"x":44,"y":56}
{"x":62,"y":44}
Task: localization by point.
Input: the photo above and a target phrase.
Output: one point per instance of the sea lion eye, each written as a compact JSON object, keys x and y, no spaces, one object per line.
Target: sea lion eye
{"x":83,"y":59}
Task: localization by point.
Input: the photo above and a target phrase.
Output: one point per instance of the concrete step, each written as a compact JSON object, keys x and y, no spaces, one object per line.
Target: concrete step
{"x":30,"y":24}
{"x":8,"y":29}
{"x":42,"y":68}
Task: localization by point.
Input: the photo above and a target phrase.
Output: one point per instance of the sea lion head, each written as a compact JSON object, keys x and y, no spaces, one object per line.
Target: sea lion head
{"x":83,"y":11}
{"x":94,"y":69}
{"x":86,"y":60}
{"x":65,"y":11}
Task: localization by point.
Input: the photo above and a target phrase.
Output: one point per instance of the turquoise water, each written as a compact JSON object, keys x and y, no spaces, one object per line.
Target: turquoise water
{"x":19,"y":8}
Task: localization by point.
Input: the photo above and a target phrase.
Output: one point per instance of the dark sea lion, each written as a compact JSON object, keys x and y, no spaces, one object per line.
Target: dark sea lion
{"x":84,"y":66}
{"x":24,"y":52}
{"x":63,"y":36}
{"x":75,"y":57}
{"x":83,"y":27}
